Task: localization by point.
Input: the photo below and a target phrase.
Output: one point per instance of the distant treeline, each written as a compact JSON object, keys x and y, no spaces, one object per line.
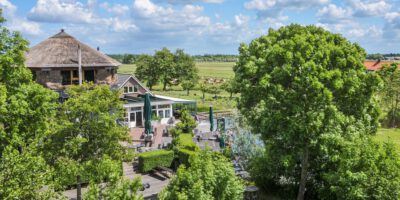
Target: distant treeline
{"x":215,"y":58}
{"x":387,"y":56}
{"x":131,"y":58}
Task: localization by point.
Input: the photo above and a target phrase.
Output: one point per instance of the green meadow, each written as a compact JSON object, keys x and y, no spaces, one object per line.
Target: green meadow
{"x":206,"y":69}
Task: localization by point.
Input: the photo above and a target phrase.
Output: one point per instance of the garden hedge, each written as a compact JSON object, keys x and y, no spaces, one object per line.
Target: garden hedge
{"x":150,"y":160}
{"x":186,"y":142}
{"x":184,"y":155}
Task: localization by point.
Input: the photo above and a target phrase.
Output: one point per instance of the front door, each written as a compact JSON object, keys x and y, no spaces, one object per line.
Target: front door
{"x":139,"y":122}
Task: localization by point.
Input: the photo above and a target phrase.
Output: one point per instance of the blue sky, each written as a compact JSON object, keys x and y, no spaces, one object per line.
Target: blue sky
{"x":200,"y":26}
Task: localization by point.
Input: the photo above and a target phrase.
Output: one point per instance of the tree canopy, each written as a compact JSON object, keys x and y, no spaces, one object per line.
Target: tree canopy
{"x":86,"y":146}
{"x":26,"y":112}
{"x":167,"y":68}
{"x":210,"y":176}
{"x":390,"y":94}
{"x":307,"y":92}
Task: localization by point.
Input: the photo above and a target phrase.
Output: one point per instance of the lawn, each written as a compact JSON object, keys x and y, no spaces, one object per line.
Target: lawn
{"x":206,"y":69}
{"x":386,"y":134}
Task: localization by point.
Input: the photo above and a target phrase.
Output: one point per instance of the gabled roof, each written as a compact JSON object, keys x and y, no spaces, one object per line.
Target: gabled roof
{"x":374,"y":65}
{"x":61,"y":50}
{"x":123,"y":78}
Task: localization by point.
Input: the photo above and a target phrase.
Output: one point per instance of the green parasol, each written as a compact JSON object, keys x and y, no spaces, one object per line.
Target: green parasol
{"x":147,"y":114}
{"x":211,"y":118}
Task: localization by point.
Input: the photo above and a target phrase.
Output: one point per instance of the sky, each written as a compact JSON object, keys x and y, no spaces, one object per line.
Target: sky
{"x":200,"y":26}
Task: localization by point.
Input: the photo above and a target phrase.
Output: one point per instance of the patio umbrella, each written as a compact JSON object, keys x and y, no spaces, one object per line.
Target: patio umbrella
{"x":211,"y":116}
{"x":147,"y":114}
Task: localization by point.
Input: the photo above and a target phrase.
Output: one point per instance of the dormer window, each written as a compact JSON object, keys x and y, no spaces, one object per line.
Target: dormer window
{"x":130,"y":89}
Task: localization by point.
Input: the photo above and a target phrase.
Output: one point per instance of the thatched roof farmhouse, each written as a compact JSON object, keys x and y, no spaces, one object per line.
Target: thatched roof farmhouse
{"x":54,"y":62}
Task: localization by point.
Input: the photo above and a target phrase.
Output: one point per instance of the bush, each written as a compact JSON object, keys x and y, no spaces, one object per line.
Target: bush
{"x":210,"y":176}
{"x":184,"y":156}
{"x":186,"y":142}
{"x":152,"y":159}
{"x":129,"y":155}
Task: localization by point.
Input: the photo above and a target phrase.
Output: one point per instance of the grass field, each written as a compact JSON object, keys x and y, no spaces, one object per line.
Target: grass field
{"x":386,"y":134}
{"x":206,"y":69}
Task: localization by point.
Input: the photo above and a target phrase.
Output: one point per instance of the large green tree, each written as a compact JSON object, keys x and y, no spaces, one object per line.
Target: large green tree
{"x":167,"y":67}
{"x":147,"y":70}
{"x":164,"y":58}
{"x":26,"y":112}
{"x":390,"y":94}
{"x":86,"y":146}
{"x":210,"y":176}
{"x":305,"y":90}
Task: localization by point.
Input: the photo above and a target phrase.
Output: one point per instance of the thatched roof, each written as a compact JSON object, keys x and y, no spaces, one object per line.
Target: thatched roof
{"x":61,"y":50}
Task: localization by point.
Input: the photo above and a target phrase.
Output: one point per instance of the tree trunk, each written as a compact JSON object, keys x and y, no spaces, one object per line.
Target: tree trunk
{"x":303,"y":179}
{"x":78,"y":188}
{"x":187,"y":92}
{"x":231,"y":95}
{"x":165,"y":86}
{"x":204,"y":95}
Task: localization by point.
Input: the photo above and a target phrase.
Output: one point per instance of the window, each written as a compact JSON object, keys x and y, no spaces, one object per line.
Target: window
{"x":135,"y":88}
{"x":161,"y":113}
{"x":69,"y":77}
{"x":129,"y":89}
{"x":132,"y":117}
{"x":66,"y":77}
{"x":167,"y":113}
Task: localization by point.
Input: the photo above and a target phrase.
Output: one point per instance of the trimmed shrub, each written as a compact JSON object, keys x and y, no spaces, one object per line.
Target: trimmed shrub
{"x":150,"y":160}
{"x":184,"y":155}
{"x":186,"y":142}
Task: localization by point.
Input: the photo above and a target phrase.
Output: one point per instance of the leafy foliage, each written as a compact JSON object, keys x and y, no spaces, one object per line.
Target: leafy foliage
{"x":121,"y":188}
{"x":307,"y":92}
{"x":23,"y":176}
{"x":150,"y":160}
{"x":167,"y":67}
{"x":86,"y":146}
{"x":390,"y":94}
{"x":210,"y":176}
{"x":26,"y":112}
{"x":147,"y":70}
{"x":365,"y":170}
{"x":187,"y":123}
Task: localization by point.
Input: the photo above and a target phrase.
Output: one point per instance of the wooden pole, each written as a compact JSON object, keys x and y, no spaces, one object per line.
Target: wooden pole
{"x":80,"y":64}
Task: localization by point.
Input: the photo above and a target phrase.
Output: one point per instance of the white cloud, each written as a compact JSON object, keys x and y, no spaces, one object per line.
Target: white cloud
{"x":263,"y":5}
{"x":241,"y":19}
{"x":56,"y":11}
{"x":166,"y":18}
{"x":16,"y":23}
{"x":364,"y":8}
{"x":191,"y":1}
{"x":333,"y":13}
{"x":359,"y":32}
{"x":392,"y":16}
{"x":8,"y":7}
{"x":117,"y":9}
{"x":25,"y":27}
{"x":260,"y":4}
